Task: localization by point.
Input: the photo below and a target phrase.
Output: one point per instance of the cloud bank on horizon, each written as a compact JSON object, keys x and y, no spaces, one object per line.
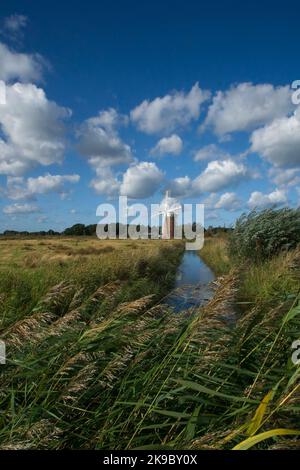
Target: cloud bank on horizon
{"x":191,"y":129}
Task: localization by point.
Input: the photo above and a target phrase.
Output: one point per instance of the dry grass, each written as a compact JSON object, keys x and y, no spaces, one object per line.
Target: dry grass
{"x":22,"y":253}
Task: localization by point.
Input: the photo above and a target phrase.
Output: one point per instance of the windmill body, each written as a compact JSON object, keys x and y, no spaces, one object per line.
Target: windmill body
{"x":168,"y":228}
{"x":168,"y":208}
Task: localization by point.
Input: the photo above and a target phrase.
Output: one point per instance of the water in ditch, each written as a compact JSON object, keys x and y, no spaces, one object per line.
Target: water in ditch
{"x":193,"y":283}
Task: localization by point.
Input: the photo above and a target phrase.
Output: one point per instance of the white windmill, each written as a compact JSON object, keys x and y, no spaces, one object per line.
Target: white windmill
{"x":168,"y":208}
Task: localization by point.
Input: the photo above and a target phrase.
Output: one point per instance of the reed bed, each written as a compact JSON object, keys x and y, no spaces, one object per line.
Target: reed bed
{"x":97,"y":361}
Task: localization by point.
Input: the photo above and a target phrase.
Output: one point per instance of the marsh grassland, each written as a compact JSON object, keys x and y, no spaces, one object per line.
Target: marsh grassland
{"x":96,"y":360}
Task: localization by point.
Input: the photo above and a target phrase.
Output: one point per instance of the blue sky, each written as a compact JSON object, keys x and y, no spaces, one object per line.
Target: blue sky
{"x":123,"y":97}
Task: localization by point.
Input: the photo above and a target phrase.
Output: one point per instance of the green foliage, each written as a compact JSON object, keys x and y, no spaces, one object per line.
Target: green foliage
{"x":214,"y":253}
{"x":261,"y":235}
{"x":76,"y":230}
{"x":97,"y":361}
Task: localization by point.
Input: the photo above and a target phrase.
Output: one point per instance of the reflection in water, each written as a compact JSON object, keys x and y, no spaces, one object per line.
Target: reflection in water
{"x":192,"y":283}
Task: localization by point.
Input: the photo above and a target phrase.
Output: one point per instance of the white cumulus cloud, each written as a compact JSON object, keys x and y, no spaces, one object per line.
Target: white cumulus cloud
{"x":229,"y":202}
{"x":19,"y":188}
{"x":165,"y":114}
{"x":279,"y":141}
{"x":180,"y":187}
{"x":106,"y":183}
{"x":19,"y":66}
{"x":50,"y":183}
{"x":20,"y":209}
{"x":260,"y":200}
{"x":168,"y":145}
{"x":100,"y":142}
{"x":141,"y":180}
{"x":219,"y":175}
{"x":285,"y":177}
{"x":210,"y":152}
{"x":246,"y":106}
{"x":32,"y":129}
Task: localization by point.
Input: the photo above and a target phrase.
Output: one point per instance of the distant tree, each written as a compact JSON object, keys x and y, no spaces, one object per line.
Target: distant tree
{"x":90,"y":229}
{"x":9,"y":233}
{"x":76,"y":230}
{"x":52,"y":232}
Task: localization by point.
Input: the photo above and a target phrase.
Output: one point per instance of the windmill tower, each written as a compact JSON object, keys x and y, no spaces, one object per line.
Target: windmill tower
{"x":168,"y":209}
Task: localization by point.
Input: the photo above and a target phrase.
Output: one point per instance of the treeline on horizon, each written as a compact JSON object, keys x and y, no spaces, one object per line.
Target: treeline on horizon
{"x":277,"y":224}
{"x":90,"y":230}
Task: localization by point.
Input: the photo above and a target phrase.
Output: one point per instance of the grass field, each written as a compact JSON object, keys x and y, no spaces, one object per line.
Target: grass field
{"x":29,"y":268}
{"x":32,"y":253}
{"x":96,"y":360}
